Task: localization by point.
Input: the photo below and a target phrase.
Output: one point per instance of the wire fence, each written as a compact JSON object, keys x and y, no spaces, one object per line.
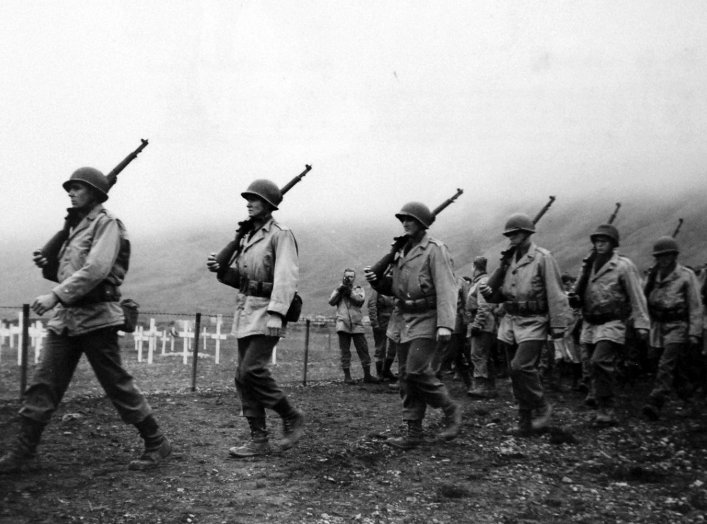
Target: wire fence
{"x":176,"y":352}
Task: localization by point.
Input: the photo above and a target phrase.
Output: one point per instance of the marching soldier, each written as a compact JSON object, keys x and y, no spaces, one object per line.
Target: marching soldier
{"x":92,"y":264}
{"x":482,"y":330}
{"x":536,"y":306}
{"x":265,"y":272}
{"x":675,"y":309}
{"x":425,"y":290}
{"x":611,"y":296}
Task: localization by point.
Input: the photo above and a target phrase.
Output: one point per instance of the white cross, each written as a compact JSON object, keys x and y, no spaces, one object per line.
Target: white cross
{"x":151,"y":340}
{"x":187,"y":335}
{"x":18,"y":331}
{"x":218,"y":337}
{"x":138,"y":337}
{"x":37,"y":333}
{"x":165,"y":337}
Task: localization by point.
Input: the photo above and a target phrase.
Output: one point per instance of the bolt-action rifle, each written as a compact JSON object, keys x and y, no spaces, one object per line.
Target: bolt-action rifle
{"x":677,"y":229}
{"x":576,"y":296}
{"x":380,"y":267}
{"x":496,"y":279}
{"x":51,"y":249}
{"x":226,"y":255}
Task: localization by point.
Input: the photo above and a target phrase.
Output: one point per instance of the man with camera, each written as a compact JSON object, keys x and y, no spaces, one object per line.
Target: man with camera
{"x":348,"y":300}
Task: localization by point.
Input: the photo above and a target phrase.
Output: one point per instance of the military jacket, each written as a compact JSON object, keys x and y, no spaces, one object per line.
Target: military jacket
{"x":270,"y":256}
{"x":96,"y":250}
{"x":675,"y":307}
{"x":535,"y":298}
{"x":481,"y":312}
{"x":425,"y":273}
{"x":349,"y":318}
{"x":380,"y":307}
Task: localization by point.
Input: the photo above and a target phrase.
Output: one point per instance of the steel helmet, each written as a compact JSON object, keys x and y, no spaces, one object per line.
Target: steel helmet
{"x":665,"y":245}
{"x":93,"y":178}
{"x":519,"y":222}
{"x":266,"y":190}
{"x":418,"y":211}
{"x":606,"y":230}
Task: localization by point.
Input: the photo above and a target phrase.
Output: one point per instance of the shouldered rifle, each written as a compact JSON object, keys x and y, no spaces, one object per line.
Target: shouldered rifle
{"x":225,"y":256}
{"x":51,"y":249}
{"x":576,"y":296}
{"x":496,"y":279}
{"x":677,"y":229}
{"x":380,"y":267}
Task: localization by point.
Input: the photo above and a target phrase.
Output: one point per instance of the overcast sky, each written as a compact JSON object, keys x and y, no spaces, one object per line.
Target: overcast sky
{"x":389,"y":101}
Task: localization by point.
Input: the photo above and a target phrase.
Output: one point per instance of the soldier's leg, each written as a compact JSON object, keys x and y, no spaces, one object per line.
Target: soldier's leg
{"x":665,"y":374}
{"x":345,"y":353}
{"x":361,"y":344}
{"x":379,"y":344}
{"x":604,"y":372}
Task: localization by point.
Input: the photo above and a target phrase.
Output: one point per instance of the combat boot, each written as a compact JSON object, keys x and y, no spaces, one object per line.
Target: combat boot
{"x":347,"y":377}
{"x":368,"y":378}
{"x":482,"y":389}
{"x":379,"y":371}
{"x":651,"y":410}
{"x":411,"y":440}
{"x":258,"y":443}
{"x":292,"y":430}
{"x":524,"y":427}
{"x":590,"y":400}
{"x":387,"y":373}
{"x":605,"y":413}
{"x":22,"y":455}
{"x":157,"y":447}
{"x":452,"y":422}
{"x":542,"y":419}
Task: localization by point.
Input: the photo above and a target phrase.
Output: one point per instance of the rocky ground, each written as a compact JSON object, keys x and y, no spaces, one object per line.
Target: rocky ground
{"x":344,"y":472}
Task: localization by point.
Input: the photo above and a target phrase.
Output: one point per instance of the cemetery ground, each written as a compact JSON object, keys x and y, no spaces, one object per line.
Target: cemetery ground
{"x":342,"y":471}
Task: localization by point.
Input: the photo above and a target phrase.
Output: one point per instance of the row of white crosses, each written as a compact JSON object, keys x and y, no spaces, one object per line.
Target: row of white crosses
{"x":12,"y":336}
{"x":152,"y":336}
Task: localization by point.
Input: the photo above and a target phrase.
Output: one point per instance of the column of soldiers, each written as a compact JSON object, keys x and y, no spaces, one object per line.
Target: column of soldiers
{"x":419,"y":308}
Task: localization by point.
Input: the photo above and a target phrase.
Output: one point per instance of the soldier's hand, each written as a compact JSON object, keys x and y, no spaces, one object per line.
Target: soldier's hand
{"x":39,"y":259}
{"x":485,"y":290}
{"x":211,"y":263}
{"x":642,"y":334}
{"x":274,"y":325}
{"x":370,"y":275}
{"x":44,"y":303}
{"x":444,"y":334}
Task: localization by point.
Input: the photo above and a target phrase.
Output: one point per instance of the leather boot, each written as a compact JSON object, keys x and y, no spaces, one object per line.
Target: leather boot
{"x":368,"y":378}
{"x":606,"y":415}
{"x":542,"y":418}
{"x":292,"y":424}
{"x":347,"y":377}
{"x":651,"y":410}
{"x":524,"y":427}
{"x":23,"y":453}
{"x":157,"y":447}
{"x":481,"y":389}
{"x":411,"y":440}
{"x":258,"y":443}
{"x":452,"y":422}
{"x":379,"y":371}
{"x":387,"y":373}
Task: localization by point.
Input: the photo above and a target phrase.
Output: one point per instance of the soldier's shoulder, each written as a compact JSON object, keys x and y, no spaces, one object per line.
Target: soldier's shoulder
{"x":281,"y":227}
{"x":543,"y":251}
{"x":437,"y":242}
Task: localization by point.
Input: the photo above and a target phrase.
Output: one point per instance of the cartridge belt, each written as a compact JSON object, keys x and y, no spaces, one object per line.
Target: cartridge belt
{"x":417,"y":305}
{"x":254,"y":288}
{"x":103,"y":292}
{"x":525,"y":308}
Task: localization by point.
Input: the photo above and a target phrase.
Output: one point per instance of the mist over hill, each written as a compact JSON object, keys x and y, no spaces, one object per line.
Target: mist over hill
{"x":168,"y":274}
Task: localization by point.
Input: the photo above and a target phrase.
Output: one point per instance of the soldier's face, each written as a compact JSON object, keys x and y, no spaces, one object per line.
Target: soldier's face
{"x":82,"y":197}
{"x":603,"y":245}
{"x":517,"y":238}
{"x":412,"y":227}
{"x":257,"y":208}
{"x":665,"y":260}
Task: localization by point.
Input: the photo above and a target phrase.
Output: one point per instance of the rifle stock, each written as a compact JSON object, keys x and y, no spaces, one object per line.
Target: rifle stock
{"x":51,"y":249}
{"x":380,"y":267}
{"x":225,"y":256}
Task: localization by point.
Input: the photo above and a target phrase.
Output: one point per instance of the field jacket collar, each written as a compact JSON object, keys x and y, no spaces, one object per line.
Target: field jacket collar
{"x":527,"y":258}
{"x":85,"y":221}
{"x":416,"y":250}
{"x":258,"y":236}
{"x":609,"y":266}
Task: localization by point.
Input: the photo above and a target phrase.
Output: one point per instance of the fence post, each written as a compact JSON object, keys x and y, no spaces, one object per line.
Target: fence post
{"x":306,"y":354}
{"x":197,"y":326}
{"x":25,"y":342}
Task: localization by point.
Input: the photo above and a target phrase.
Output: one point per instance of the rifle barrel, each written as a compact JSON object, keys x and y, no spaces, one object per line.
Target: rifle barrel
{"x":447,"y":202}
{"x":543,"y":210}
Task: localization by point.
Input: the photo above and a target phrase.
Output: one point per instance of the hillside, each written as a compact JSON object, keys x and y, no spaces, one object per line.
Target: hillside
{"x":168,"y":273}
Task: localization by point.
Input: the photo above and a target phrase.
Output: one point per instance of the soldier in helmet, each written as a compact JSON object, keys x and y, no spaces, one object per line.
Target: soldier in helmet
{"x":482,"y":330}
{"x":423,"y":284}
{"x":86,"y":317}
{"x":535,"y":306}
{"x":265,"y":270}
{"x":609,"y":294}
{"x":675,"y":309}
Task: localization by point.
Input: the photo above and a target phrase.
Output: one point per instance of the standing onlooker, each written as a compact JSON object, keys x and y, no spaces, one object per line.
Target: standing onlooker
{"x":482,"y":330}
{"x":265,"y":271}
{"x":89,"y":269}
{"x":348,"y":300}
{"x":675,"y":309}
{"x":380,"y":308}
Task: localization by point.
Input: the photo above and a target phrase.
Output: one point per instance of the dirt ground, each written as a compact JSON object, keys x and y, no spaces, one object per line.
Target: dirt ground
{"x":344,"y":472}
